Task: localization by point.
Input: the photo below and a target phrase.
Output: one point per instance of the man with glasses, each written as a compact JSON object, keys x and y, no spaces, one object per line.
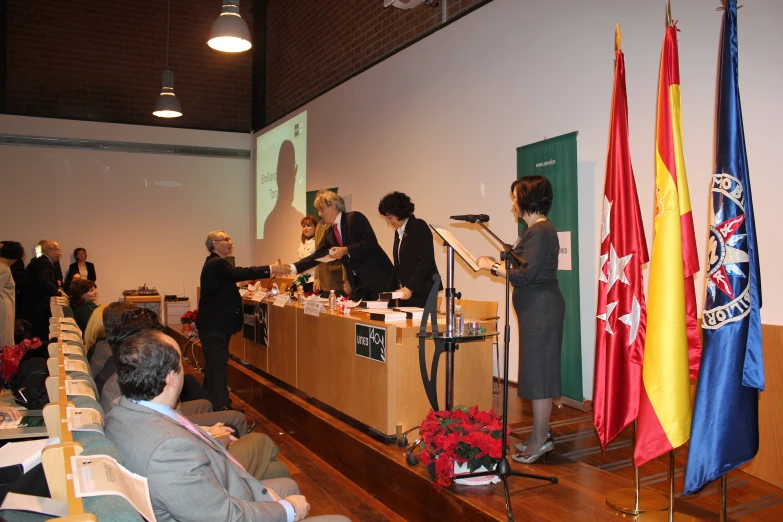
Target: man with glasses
{"x":40,"y":287}
{"x":220,"y":312}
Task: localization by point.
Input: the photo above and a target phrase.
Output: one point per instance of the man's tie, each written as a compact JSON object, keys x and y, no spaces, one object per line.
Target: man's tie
{"x":197,"y":432}
{"x":337,"y":235}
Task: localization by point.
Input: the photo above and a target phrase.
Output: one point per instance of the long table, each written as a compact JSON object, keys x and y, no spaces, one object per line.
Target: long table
{"x":318,"y":356}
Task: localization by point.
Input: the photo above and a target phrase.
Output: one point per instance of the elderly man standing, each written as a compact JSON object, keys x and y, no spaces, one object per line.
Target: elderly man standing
{"x":220,"y":312}
{"x":191,"y":476}
{"x":40,"y":287}
{"x":352,"y":240}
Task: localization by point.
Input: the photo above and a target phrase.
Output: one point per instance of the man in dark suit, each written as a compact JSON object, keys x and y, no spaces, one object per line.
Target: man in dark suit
{"x":40,"y":287}
{"x":414,"y":254}
{"x":352,"y":240}
{"x":220,"y":312}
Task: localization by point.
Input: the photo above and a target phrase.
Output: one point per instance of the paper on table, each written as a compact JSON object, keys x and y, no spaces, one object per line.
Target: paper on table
{"x":84,"y":419}
{"x":43,"y":505}
{"x":457,"y":246}
{"x":351,"y":304}
{"x":72,"y":365}
{"x":77,"y":387}
{"x":97,"y":475}
{"x":27,"y":453}
{"x":243,"y":292}
{"x":259,"y":296}
{"x":72,"y":349}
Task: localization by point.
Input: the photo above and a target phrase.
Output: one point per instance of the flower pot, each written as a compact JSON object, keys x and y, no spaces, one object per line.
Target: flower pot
{"x":462,"y":469}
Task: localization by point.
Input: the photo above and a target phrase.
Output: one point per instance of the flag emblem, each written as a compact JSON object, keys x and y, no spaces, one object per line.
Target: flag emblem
{"x":728,"y":298}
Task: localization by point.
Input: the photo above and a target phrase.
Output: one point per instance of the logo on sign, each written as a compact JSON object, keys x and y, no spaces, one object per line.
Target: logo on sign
{"x":371,"y":342}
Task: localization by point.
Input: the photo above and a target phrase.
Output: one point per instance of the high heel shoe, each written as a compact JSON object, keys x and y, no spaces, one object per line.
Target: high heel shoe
{"x":521,"y":446}
{"x":544,"y":450}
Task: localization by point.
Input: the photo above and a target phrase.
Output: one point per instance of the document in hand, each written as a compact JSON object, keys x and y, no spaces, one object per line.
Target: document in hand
{"x":461,"y":251}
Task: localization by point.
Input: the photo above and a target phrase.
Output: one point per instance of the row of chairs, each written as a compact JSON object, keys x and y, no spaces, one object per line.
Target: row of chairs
{"x":68,"y":362}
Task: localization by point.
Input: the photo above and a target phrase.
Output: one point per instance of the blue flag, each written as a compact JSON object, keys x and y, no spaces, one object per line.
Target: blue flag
{"x":724,"y":431}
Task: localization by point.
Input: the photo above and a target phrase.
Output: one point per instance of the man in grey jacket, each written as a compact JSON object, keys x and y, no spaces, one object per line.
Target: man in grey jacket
{"x":190,"y":475}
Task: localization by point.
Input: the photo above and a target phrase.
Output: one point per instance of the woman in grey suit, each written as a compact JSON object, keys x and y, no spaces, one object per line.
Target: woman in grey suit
{"x":539,"y":306}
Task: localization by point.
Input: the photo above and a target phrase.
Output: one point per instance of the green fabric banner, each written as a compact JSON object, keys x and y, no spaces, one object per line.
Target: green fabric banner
{"x":555,"y":159}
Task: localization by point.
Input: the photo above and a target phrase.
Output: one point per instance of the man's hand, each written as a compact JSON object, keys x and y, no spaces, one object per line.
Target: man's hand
{"x":316,"y":286}
{"x":406,"y":293}
{"x":338,"y":252}
{"x":301,"y":507}
{"x":347,"y":287}
{"x":279,"y":269}
{"x":221,"y":433}
{"x":486,"y":262}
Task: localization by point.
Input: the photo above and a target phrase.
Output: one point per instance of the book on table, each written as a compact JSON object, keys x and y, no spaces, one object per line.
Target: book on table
{"x":387,"y":316}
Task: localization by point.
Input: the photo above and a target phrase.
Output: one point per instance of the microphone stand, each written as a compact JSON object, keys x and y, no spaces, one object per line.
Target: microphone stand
{"x":503,"y":468}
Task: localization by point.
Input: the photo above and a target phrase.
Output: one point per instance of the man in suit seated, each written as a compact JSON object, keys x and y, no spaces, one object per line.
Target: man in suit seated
{"x":256,"y":452}
{"x":352,"y":240}
{"x":190,"y":475}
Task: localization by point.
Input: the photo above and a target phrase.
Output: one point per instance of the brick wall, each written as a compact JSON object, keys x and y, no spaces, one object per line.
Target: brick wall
{"x":103,"y":60}
{"x":313,"y":45}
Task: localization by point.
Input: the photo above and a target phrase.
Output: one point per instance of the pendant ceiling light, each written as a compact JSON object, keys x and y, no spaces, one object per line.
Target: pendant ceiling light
{"x":229,"y":32}
{"x":167,"y":105}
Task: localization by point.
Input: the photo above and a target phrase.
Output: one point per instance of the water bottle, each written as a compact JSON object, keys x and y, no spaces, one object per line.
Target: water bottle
{"x":332,"y":300}
{"x":459,"y":321}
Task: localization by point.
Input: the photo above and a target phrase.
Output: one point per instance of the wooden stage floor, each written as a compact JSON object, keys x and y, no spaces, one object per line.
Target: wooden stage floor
{"x":343,"y":470}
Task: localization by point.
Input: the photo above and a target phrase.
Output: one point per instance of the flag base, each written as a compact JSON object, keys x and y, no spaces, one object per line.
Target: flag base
{"x":624,"y":500}
{"x":663,"y":516}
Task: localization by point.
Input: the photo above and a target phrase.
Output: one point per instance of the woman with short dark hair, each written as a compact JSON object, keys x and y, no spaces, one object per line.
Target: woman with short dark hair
{"x":81,"y":266}
{"x":10,"y":252}
{"x":84,"y":300}
{"x":414,"y":253}
{"x":539,"y":306}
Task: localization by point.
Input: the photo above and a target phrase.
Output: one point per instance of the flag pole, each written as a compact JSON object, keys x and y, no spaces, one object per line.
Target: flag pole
{"x":635,"y":500}
{"x":671,"y":515}
{"x":723,"y":488}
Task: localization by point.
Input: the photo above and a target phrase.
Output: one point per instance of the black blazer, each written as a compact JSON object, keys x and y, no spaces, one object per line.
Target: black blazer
{"x":40,"y":286}
{"x":73,"y":268}
{"x":220,"y":305}
{"x":414,"y":262}
{"x":365,"y":260}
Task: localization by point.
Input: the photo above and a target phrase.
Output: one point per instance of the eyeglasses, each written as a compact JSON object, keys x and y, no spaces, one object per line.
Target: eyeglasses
{"x":226,"y":239}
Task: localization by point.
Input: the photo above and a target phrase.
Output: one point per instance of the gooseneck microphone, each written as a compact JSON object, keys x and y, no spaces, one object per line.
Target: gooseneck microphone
{"x":471,"y":218}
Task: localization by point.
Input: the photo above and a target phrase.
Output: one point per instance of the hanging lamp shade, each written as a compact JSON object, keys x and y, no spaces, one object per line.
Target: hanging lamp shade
{"x":229,"y":32}
{"x":167,"y":105}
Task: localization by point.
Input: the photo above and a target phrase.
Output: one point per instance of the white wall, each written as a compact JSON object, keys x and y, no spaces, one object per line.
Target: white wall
{"x":441,"y":121}
{"x":134,"y":231}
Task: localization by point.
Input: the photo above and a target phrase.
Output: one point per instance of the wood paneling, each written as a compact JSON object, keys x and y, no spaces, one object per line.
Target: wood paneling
{"x":768,"y":464}
{"x":282,"y":344}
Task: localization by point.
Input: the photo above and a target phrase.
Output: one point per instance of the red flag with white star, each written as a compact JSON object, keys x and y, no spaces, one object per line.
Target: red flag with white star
{"x":622,"y":312}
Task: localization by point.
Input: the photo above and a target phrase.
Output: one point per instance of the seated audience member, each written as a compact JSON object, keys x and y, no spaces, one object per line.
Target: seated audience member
{"x":80,"y":268}
{"x":307,"y":247}
{"x":190,"y":475}
{"x":95,"y":330}
{"x":10,"y":252}
{"x":84,"y":300}
{"x":256,"y":452}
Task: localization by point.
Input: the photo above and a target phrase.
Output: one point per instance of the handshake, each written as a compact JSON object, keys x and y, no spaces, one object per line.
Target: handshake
{"x":279,"y":269}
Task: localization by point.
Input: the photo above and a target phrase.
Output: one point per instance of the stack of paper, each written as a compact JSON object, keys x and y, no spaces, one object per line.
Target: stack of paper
{"x":411,"y":312}
{"x":387,"y":316}
{"x":374,"y":304}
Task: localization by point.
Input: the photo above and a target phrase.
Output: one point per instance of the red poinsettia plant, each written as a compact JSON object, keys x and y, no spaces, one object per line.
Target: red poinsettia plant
{"x":188,"y":321}
{"x":463,"y":435}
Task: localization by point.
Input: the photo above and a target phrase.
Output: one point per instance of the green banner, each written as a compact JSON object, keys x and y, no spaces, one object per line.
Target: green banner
{"x":555,"y":159}
{"x":371,"y":342}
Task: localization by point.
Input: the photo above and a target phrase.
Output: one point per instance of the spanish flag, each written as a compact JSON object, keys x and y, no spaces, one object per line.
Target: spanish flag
{"x":665,"y":404}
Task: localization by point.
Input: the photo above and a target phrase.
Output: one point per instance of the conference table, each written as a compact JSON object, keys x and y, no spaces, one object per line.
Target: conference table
{"x":368,"y":370}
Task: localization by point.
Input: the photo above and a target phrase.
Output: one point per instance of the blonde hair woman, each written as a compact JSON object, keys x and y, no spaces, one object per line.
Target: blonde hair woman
{"x":95,"y":330}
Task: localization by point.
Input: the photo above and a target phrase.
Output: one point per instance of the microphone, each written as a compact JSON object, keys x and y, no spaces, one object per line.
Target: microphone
{"x":471,"y":218}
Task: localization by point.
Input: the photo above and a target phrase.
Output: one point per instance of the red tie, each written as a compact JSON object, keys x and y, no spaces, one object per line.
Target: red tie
{"x":195,"y":431}
{"x":337,"y":235}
